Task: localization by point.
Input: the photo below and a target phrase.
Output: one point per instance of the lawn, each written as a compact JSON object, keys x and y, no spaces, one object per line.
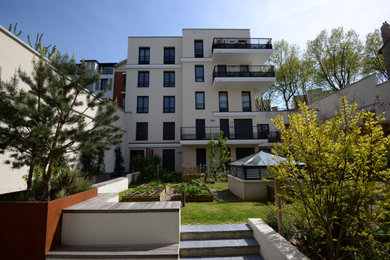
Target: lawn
{"x":218,"y":186}
{"x":221,"y":212}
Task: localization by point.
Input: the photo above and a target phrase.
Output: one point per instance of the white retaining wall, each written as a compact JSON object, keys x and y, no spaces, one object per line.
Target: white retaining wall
{"x":272,"y":245}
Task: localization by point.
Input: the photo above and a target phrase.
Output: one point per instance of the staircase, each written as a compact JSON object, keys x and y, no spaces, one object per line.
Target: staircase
{"x":100,"y":229}
{"x":234,"y":241}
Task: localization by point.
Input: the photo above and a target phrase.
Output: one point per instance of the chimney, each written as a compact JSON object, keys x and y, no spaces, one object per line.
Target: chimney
{"x":385,"y":50}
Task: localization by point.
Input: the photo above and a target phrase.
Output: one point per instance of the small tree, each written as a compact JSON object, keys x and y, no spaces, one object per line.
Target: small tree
{"x":224,"y":153}
{"x":119,"y":168}
{"x":51,"y":119}
{"x":213,"y":153}
{"x":341,"y":192}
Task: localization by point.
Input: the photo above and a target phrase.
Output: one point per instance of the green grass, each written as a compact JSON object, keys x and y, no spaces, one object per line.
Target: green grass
{"x":221,"y":212}
{"x":130,"y":189}
{"x":218,"y":186}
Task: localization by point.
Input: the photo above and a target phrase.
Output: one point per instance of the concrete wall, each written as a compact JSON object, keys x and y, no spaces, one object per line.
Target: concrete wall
{"x":272,"y":245}
{"x":248,"y":189}
{"x":366,"y":93}
{"x":121,"y":229}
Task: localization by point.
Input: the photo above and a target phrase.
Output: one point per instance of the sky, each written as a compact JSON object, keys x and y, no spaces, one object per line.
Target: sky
{"x":98,"y":29}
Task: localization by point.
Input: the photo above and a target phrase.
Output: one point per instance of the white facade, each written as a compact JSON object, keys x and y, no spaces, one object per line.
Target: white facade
{"x":231,"y":63}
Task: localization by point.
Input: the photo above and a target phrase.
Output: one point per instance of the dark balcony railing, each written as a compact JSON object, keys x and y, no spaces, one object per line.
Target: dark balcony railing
{"x":274,"y":137}
{"x":242,"y":43}
{"x":243,"y":71}
{"x":193,"y":133}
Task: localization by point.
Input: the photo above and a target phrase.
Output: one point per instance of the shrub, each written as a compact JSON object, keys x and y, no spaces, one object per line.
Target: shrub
{"x":64,"y":182}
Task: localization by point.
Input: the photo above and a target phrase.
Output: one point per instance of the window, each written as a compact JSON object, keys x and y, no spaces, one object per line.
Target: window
{"x":169,"y":55}
{"x":124,"y":100}
{"x":199,"y":100}
{"x":223,"y":102}
{"x":169,"y":104}
{"x":169,"y":131}
{"x":142,"y":104}
{"x":143,"y":79}
{"x":169,"y":79}
{"x":199,"y":73}
{"x":124,"y":80}
{"x":246,"y":102}
{"x":262,"y":131}
{"x":107,"y":70}
{"x":141,"y":132}
{"x":103,"y":84}
{"x":198,"y":46}
{"x":144,"y":55}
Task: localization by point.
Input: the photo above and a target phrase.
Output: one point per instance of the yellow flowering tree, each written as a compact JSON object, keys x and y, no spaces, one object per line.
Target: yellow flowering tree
{"x":336,"y":173}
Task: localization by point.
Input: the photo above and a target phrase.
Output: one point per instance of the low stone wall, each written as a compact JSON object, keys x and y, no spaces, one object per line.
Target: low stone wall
{"x":248,"y":189}
{"x":272,"y":245}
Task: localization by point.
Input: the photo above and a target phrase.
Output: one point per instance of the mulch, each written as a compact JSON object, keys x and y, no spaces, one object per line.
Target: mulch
{"x":224,"y":196}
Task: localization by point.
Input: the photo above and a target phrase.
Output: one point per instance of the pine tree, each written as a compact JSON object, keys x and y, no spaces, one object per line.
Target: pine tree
{"x":55,"y":117}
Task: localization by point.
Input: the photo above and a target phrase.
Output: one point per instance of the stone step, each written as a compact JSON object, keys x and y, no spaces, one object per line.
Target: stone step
{"x":219,"y":247}
{"x":115,"y":252}
{"x":198,"y":232}
{"x":230,"y":257}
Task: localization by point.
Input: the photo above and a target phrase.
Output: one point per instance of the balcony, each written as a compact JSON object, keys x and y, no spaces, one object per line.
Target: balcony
{"x":242,"y":50}
{"x":260,"y":77}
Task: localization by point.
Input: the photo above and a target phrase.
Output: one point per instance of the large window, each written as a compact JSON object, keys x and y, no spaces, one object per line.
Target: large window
{"x":103,"y":84}
{"x":169,"y":79}
{"x":144,"y":55}
{"x":262,"y":131}
{"x":246,"y":101}
{"x":198,"y":48}
{"x":199,"y":100}
{"x":199,"y":73}
{"x":169,"y":55}
{"x":169,"y":131}
{"x":223,"y":102}
{"x":141,"y":132}
{"x":169,"y":104}
{"x":107,"y":70}
{"x":142,"y":104}
{"x":143,"y":79}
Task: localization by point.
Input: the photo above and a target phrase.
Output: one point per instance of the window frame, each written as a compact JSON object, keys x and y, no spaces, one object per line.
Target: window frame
{"x":244,"y":108}
{"x":196,"y":100}
{"x":168,"y":131}
{"x":227,"y":101}
{"x":198,"y":53}
{"x":199,"y":78}
{"x":168,"y":59}
{"x":170,"y":108}
{"x":145,"y":84}
{"x":139,"y":136}
{"x":101,"y":84}
{"x":142,"y":109}
{"x":168,"y":79}
{"x":144,"y":55}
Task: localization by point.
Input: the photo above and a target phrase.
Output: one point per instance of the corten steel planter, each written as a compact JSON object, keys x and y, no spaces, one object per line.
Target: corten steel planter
{"x":28,"y":230}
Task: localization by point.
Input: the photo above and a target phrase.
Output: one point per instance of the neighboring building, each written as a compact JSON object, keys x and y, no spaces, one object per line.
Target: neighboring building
{"x":106,"y":71}
{"x":183,"y":90}
{"x":119,"y":95}
{"x":366,"y":93}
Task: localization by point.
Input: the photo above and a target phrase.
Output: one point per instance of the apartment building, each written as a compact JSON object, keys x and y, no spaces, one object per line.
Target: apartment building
{"x":106,"y":71}
{"x":181,"y":91}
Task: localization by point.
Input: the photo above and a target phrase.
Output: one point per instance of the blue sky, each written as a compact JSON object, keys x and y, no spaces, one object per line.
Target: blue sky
{"x":97,"y":29}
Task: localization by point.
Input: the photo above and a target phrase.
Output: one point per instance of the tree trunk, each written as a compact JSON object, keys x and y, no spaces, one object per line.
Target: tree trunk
{"x":279,"y":213}
{"x":30,"y":176}
{"x":46,"y":180}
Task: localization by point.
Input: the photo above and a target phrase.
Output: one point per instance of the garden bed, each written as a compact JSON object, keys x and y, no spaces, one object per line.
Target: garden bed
{"x":195,"y":191}
{"x":145,"y":192}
